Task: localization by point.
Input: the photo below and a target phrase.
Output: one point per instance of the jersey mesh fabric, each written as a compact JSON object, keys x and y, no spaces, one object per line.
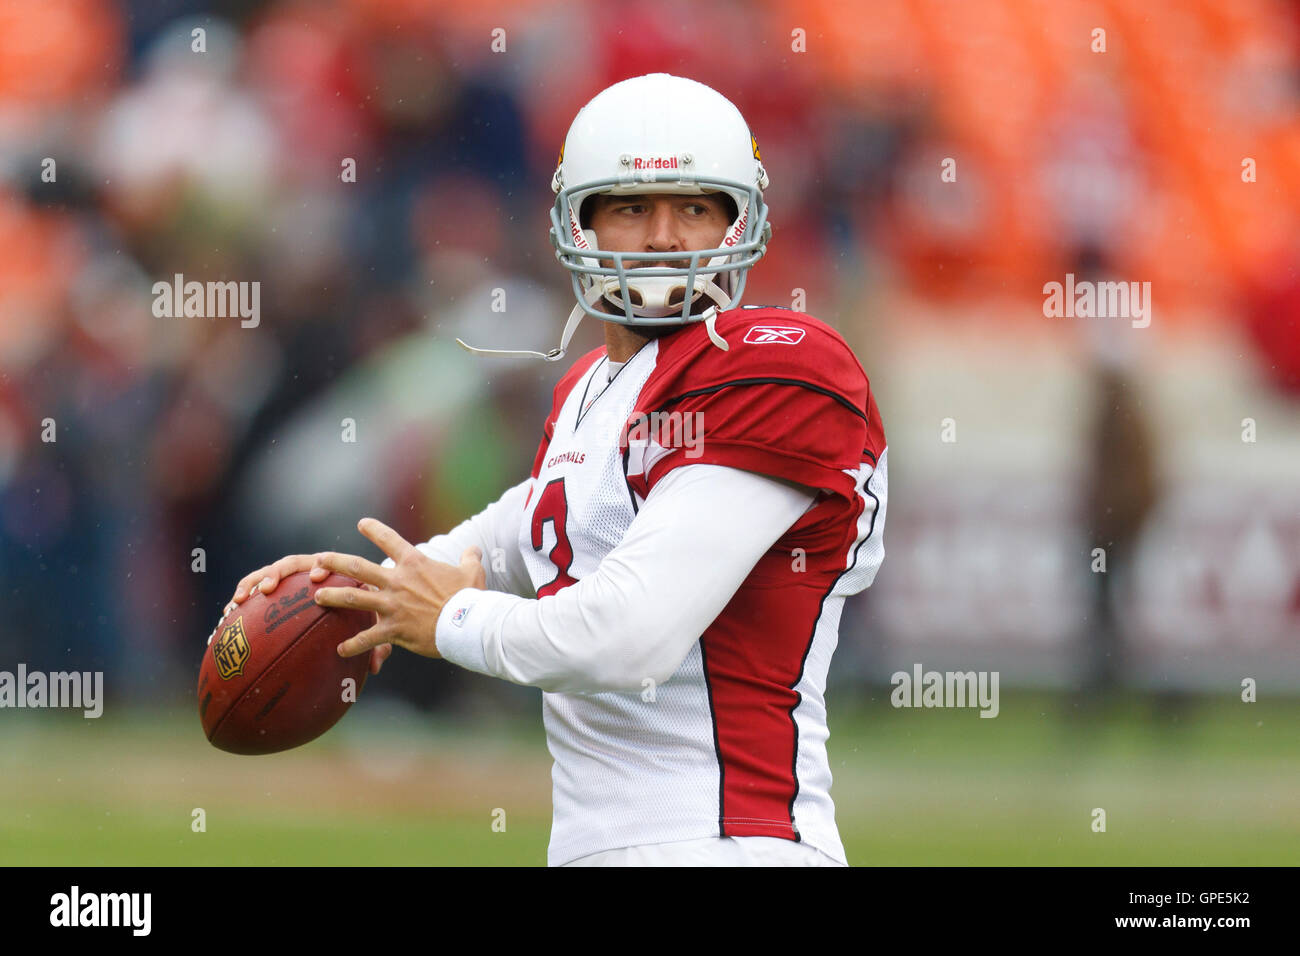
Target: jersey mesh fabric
{"x":685,"y":760}
{"x":636,"y":766}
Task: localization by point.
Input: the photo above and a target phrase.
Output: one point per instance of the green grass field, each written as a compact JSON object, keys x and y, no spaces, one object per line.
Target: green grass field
{"x":1216,"y":782}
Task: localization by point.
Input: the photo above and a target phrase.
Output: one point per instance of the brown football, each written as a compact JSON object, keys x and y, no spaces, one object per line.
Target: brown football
{"x":271,"y":677}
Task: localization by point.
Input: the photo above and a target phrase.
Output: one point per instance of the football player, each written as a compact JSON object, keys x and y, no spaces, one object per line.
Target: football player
{"x":709,"y":487}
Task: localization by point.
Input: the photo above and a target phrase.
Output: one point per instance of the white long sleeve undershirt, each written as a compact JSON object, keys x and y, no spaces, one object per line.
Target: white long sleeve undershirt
{"x":691,"y":546}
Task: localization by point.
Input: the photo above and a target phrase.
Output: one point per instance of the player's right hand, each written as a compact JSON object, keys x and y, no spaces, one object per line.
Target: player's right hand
{"x":267,"y":579}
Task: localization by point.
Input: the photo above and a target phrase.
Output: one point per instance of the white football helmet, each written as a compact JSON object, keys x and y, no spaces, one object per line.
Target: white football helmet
{"x":657,"y":134}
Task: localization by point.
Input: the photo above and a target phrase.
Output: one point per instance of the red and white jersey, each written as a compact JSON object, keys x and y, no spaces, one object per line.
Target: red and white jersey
{"x":734,"y":744}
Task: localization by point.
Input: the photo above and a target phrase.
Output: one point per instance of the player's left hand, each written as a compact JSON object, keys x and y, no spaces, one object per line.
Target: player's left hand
{"x":406,"y":599}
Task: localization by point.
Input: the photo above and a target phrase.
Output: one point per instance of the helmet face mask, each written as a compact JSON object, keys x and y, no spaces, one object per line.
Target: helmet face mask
{"x":656,"y":296}
{"x":659,"y":134}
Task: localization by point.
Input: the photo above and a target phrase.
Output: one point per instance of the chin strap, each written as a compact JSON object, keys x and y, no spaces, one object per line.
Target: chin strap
{"x":593,"y":294}
{"x":554,"y":355}
{"x":714,"y":337}
{"x":721,"y":303}
{"x":654,"y":293}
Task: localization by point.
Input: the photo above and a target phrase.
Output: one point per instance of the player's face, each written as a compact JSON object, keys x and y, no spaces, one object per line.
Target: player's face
{"x":659,"y":223}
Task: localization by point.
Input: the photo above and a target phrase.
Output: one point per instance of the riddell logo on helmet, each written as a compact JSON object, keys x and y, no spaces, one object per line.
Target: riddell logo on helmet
{"x":738,"y":230}
{"x":654,"y":162}
{"x":578,"y":238}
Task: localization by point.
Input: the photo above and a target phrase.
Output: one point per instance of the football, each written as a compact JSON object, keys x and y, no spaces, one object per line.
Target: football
{"x":271,"y":677}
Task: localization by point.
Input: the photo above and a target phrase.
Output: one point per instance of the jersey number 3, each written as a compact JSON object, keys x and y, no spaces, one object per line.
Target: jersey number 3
{"x":553,"y":506}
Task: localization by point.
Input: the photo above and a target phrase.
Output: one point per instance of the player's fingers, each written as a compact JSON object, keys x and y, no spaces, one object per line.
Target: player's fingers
{"x":362,"y":642}
{"x":246,"y":584}
{"x":378,"y":656}
{"x":359,"y":599}
{"x":267,"y":579}
{"x":292,"y":564}
{"x":392,"y":543}
{"x":353,"y":566}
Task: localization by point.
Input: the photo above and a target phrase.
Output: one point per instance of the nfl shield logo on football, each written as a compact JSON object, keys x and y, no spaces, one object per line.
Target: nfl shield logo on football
{"x":231,"y":651}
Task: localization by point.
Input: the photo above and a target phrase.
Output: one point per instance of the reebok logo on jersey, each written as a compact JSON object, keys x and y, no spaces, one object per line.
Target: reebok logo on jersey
{"x":459,"y":617}
{"x":770,"y":334}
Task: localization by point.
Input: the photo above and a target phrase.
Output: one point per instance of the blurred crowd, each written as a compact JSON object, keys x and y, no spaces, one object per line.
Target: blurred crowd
{"x":146,"y":463}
